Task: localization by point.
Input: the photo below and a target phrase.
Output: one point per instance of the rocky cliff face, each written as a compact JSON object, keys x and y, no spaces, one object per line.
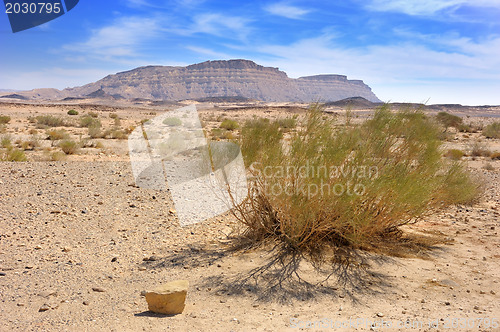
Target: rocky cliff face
{"x":223,"y":79}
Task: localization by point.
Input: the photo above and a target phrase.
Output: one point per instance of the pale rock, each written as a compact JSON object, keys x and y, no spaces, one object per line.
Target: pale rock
{"x":168,"y":299}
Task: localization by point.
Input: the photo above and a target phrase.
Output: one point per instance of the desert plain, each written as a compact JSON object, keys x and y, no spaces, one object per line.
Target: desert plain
{"x":80,"y":241}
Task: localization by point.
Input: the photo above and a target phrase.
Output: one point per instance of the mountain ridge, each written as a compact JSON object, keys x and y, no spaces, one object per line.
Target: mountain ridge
{"x":217,"y":78}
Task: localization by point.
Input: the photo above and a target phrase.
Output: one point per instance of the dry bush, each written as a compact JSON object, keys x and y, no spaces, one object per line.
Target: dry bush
{"x":44,"y":121}
{"x":55,"y":134}
{"x":454,"y":154}
{"x":348,"y":184}
{"x":229,"y":125}
{"x":6,"y":142}
{"x":13,"y":155}
{"x":479,"y":149}
{"x":492,"y":130}
{"x":449,"y":120}
{"x":68,"y":146}
{"x":4,"y":119}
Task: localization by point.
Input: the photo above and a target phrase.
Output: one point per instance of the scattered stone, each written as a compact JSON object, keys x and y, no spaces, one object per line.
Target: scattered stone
{"x":86,"y":302}
{"x":98,"y":289}
{"x":447,"y":303}
{"x":141,"y":268}
{"x":492,"y":292}
{"x":38,"y":247}
{"x":114,"y":259}
{"x":476,"y":307}
{"x":172,"y":211}
{"x":47,"y":293}
{"x":20,"y":304}
{"x":66,"y":249}
{"x":422,"y":301}
{"x":43,"y":308}
{"x":482,"y":292}
{"x":143,"y":293}
{"x":3,"y":274}
{"x":380,"y":314}
{"x":168,"y":299}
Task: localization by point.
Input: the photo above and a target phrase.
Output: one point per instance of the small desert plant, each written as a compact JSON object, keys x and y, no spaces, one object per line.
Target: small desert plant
{"x":492,"y":130}
{"x":49,"y":121}
{"x":6,"y":142}
{"x":347,"y":184}
{"x":57,"y":156}
{"x":466,"y":128}
{"x":287,"y":123}
{"x":93,"y":114}
{"x":72,"y":112}
{"x":172,"y":122}
{"x":454,"y":154}
{"x":117,"y":134}
{"x":229,"y":124}
{"x":479,"y":149}
{"x":113,"y":116}
{"x":488,"y":167}
{"x":68,"y":146}
{"x":4,"y":119}
{"x":449,"y":120}
{"x":13,"y":155}
{"x":54,"y":134}
{"x":89,"y":121}
{"x":94,"y":131}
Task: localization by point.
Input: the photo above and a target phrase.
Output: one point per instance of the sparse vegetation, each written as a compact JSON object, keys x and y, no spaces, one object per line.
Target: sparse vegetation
{"x":68,"y":146}
{"x":229,"y":125}
{"x":93,"y":115}
{"x":4,"y":119}
{"x":479,"y":149}
{"x":57,"y":156}
{"x":73,"y":112}
{"x":488,"y":167}
{"x":43,"y":121}
{"x":6,"y":142}
{"x":89,"y":121}
{"x":492,"y":130}
{"x":172,"y":122}
{"x":454,"y":154}
{"x":113,"y":116}
{"x":449,"y":120}
{"x":287,"y":123}
{"x":57,"y":134}
{"x":13,"y":155}
{"x":351,"y":185}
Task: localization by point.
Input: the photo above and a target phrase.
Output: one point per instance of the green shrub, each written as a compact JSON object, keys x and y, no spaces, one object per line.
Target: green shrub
{"x":4,"y":119}
{"x":57,"y":156}
{"x":14,"y":155}
{"x":94,"y":131}
{"x":287,"y":123}
{"x":54,"y":134}
{"x":454,"y":154}
{"x":68,"y":146}
{"x":345,"y":185}
{"x":93,"y":115}
{"x":6,"y":142}
{"x":479,"y":150}
{"x":172,"y":122}
{"x":72,"y":112}
{"x":49,"y":121}
{"x":229,"y":124}
{"x":88,"y":121}
{"x":492,"y":130}
{"x":449,"y":120}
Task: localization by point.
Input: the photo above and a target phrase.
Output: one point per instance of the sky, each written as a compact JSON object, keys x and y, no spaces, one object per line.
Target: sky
{"x":430,"y":51}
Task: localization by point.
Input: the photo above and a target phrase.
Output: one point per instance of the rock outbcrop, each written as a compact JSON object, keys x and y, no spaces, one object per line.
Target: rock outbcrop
{"x":168,"y":299}
{"x":213,"y":79}
{"x":242,"y":78}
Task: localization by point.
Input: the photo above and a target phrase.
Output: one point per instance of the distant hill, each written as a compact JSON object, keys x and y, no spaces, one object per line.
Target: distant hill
{"x":214,"y":79}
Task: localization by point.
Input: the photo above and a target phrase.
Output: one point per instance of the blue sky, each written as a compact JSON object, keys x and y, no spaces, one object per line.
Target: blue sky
{"x":443,"y":51}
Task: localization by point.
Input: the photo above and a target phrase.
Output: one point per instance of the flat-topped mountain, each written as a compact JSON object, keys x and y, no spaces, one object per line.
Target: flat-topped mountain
{"x":231,"y":78}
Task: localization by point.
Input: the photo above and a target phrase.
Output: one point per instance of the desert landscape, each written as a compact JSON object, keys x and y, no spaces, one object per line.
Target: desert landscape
{"x":81,"y":242}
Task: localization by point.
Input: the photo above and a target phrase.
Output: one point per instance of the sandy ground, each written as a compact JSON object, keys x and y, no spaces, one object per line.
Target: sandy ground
{"x":79,"y":242}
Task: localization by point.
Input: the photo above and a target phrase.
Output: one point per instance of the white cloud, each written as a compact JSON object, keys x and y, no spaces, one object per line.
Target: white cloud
{"x":408,"y":71}
{"x":285,"y":10}
{"x":426,"y":7}
{"x":232,"y":27}
{"x":122,"y":38}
